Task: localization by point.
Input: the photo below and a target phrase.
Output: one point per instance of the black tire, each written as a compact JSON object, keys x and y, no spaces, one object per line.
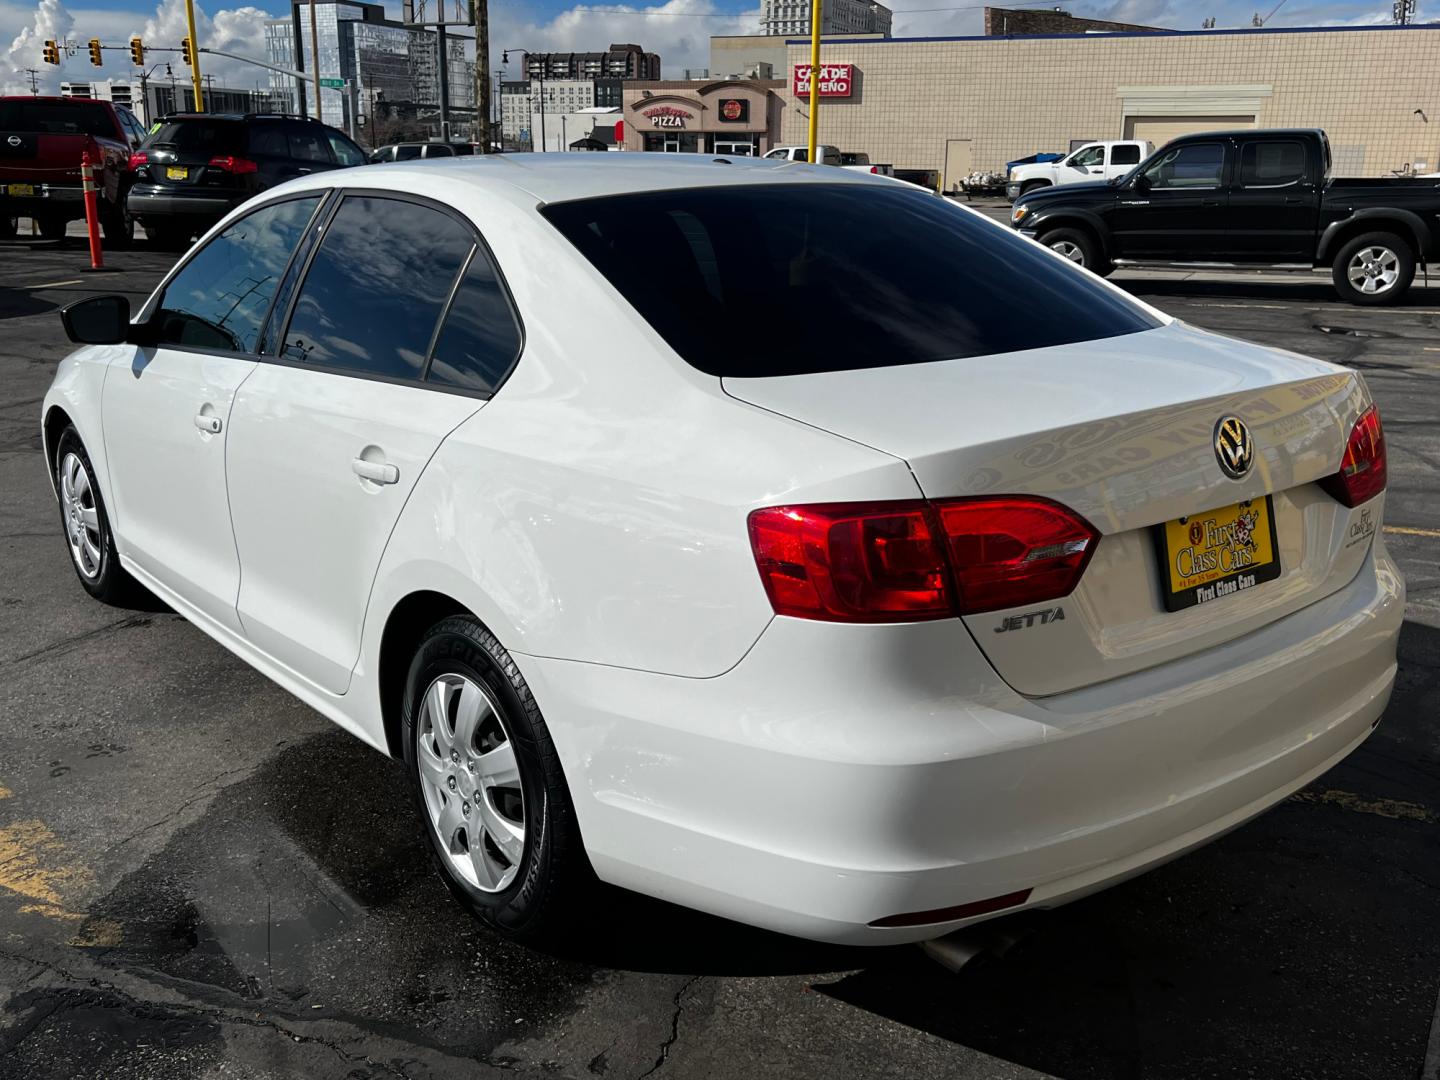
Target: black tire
{"x":553,"y":874}
{"x":168,"y":236}
{"x":1033,"y":185}
{"x":1079,"y":247}
{"x":109,"y":582}
{"x":118,"y":225}
{"x":51,"y":227}
{"x":1403,"y":266}
{"x":9,"y":225}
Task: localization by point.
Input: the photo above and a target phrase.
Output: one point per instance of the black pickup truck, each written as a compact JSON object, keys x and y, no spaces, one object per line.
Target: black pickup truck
{"x":1251,"y":199}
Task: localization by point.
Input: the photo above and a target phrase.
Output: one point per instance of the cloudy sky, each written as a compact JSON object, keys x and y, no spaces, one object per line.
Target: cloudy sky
{"x":678,"y":29}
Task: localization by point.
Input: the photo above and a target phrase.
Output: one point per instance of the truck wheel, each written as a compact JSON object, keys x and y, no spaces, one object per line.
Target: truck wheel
{"x":9,"y":226}
{"x":1079,"y":247}
{"x":51,"y":227}
{"x":1376,"y":268}
{"x":1033,"y":185}
{"x":119,"y":226}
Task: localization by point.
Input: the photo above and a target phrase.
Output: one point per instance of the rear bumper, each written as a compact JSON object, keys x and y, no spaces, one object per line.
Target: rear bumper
{"x":843,"y":774}
{"x":48,"y":199}
{"x":151,"y":202}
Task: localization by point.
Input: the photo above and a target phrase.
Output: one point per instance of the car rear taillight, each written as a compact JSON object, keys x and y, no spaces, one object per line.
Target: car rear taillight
{"x":137,"y":159}
{"x":232,"y":164}
{"x":907,"y":561}
{"x":852,"y":562}
{"x":1362,"y":469}
{"x":1014,"y":550}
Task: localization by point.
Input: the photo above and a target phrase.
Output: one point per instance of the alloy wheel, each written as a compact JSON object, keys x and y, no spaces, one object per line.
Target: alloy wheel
{"x":1373,"y":269}
{"x":1070,"y":250}
{"x":471,"y":782}
{"x":82,"y":516}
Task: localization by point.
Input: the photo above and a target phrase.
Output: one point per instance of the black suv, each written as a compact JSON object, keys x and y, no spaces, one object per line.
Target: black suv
{"x":196,"y":166}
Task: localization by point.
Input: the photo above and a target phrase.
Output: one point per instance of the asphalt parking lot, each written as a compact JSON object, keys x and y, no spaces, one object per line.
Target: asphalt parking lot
{"x":199,"y":877}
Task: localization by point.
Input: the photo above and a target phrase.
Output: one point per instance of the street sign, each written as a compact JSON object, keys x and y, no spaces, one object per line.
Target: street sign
{"x":333,"y":84}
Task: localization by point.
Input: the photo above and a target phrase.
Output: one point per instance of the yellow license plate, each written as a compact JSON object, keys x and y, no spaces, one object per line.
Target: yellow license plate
{"x":22,"y":189}
{"x":1217,"y":553}
{"x":176,"y":172}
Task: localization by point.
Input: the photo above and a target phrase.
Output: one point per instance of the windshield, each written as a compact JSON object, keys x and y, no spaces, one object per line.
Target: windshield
{"x":57,"y":118}
{"x":786,"y":279}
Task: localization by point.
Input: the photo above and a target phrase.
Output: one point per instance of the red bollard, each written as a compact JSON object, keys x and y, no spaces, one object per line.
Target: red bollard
{"x":92,"y":211}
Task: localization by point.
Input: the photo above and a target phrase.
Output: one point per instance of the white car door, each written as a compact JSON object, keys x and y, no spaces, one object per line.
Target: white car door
{"x":398,"y":331}
{"x":166,"y":416}
{"x":1087,"y":163}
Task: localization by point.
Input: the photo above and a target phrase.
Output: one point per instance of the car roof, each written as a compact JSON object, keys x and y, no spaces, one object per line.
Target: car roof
{"x":1246,"y":133}
{"x":561,"y":177}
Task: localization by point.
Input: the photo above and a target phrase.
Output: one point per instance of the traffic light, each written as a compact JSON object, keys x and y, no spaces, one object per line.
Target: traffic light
{"x":95,"y":52}
{"x":52,"y":52}
{"x":187,"y":52}
{"x":137,"y":52}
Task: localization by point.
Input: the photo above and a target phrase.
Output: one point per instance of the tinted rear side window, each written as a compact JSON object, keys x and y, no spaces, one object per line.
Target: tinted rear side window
{"x":1125,"y":155}
{"x":480,"y":340}
{"x":202,"y":136}
{"x":56,"y":117}
{"x":789,"y":279}
{"x":376,"y":287}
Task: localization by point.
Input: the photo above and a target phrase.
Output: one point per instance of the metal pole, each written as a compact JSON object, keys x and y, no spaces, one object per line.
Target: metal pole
{"x":299,"y":44}
{"x":500,"y":112}
{"x":315,"y":56}
{"x":444,"y":81}
{"x":194,"y":53}
{"x":352,"y":92}
{"x":481,"y":134}
{"x":815,"y":15}
{"x":543,"y":144}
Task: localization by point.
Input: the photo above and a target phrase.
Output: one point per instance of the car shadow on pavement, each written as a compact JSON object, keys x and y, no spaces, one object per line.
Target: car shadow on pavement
{"x":17,"y":303}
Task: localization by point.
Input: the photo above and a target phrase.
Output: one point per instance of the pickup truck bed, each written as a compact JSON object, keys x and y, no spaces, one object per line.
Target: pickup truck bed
{"x":1252,"y":199}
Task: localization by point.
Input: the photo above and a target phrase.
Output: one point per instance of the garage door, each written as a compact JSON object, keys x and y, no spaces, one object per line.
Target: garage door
{"x":1161,"y":129}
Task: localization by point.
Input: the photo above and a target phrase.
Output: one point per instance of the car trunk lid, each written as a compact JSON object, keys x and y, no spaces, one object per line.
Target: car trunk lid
{"x":1121,"y":431}
{"x":194,"y":152}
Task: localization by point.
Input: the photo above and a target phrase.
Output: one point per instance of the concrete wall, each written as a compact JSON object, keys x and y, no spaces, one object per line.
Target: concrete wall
{"x":1013,"y":96}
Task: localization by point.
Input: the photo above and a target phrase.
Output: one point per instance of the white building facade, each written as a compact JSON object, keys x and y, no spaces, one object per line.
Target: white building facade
{"x":792,"y":17}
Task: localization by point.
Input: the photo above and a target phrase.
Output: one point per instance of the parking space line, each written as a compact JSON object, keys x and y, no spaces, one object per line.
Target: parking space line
{"x":1406,"y":530}
{"x":52,"y":284}
{"x":5,"y":792}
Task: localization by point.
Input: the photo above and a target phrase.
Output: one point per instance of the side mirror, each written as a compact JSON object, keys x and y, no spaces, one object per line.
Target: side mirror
{"x":1142,"y":183}
{"x":97,"y":320}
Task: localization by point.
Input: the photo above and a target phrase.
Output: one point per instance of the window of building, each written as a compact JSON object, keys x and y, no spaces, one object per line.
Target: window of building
{"x":1271,"y":164}
{"x":220,"y":298}
{"x":896,"y":281}
{"x":376,"y":287}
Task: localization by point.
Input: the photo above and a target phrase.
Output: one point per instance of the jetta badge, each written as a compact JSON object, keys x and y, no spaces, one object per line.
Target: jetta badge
{"x":1234,"y":448}
{"x":14,"y":140}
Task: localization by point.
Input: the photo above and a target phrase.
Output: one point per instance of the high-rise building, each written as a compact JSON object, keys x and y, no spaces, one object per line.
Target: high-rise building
{"x":387,"y":62}
{"x":792,"y":17}
{"x":618,"y":61}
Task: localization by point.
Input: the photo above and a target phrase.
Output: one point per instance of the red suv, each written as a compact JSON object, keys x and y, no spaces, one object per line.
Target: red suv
{"x":41,"y":141}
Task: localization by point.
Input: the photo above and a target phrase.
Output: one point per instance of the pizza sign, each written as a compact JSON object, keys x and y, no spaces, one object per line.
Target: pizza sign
{"x":667,"y":116}
{"x":836,"y":80}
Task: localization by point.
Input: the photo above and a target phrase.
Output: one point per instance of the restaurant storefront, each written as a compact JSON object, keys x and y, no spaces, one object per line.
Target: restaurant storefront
{"x":734,"y":117}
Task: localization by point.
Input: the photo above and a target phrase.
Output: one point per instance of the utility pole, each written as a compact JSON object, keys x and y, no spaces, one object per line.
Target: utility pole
{"x":815,"y":18}
{"x":194,"y":54}
{"x":443,"y":47}
{"x":499,"y":108}
{"x":34,"y":80}
{"x":480,"y":13}
{"x":315,"y":58}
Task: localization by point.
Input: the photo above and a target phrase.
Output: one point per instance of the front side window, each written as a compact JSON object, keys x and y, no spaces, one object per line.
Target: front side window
{"x":1091,"y":155}
{"x":220,"y":298}
{"x":375,"y":288}
{"x":1128,"y":154}
{"x":883,"y":276}
{"x":1195,"y":165}
{"x":1271,"y":164}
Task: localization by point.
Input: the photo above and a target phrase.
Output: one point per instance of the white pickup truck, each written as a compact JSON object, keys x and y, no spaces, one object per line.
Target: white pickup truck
{"x":828,"y":155}
{"x":1093,"y":161}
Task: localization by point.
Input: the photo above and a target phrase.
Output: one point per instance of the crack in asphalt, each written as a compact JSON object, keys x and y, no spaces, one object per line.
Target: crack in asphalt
{"x":207,"y":790}
{"x":72,"y":641}
{"x":674,"y":1027}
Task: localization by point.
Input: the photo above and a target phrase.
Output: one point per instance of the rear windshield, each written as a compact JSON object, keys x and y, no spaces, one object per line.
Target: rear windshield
{"x":788,"y":280}
{"x":56,"y":117}
{"x":202,"y":136}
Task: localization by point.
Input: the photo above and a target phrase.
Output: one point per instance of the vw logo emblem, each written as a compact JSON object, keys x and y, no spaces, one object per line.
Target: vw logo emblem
{"x":13,"y":140}
{"x":1234,"y":448}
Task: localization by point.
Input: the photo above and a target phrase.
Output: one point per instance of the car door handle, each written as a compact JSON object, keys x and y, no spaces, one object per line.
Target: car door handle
{"x":211,"y":425}
{"x":1210,"y":202}
{"x":375,"y":471}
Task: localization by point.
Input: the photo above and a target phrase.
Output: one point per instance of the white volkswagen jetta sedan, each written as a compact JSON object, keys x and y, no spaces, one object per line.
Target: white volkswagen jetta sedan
{"x":779,"y":541}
